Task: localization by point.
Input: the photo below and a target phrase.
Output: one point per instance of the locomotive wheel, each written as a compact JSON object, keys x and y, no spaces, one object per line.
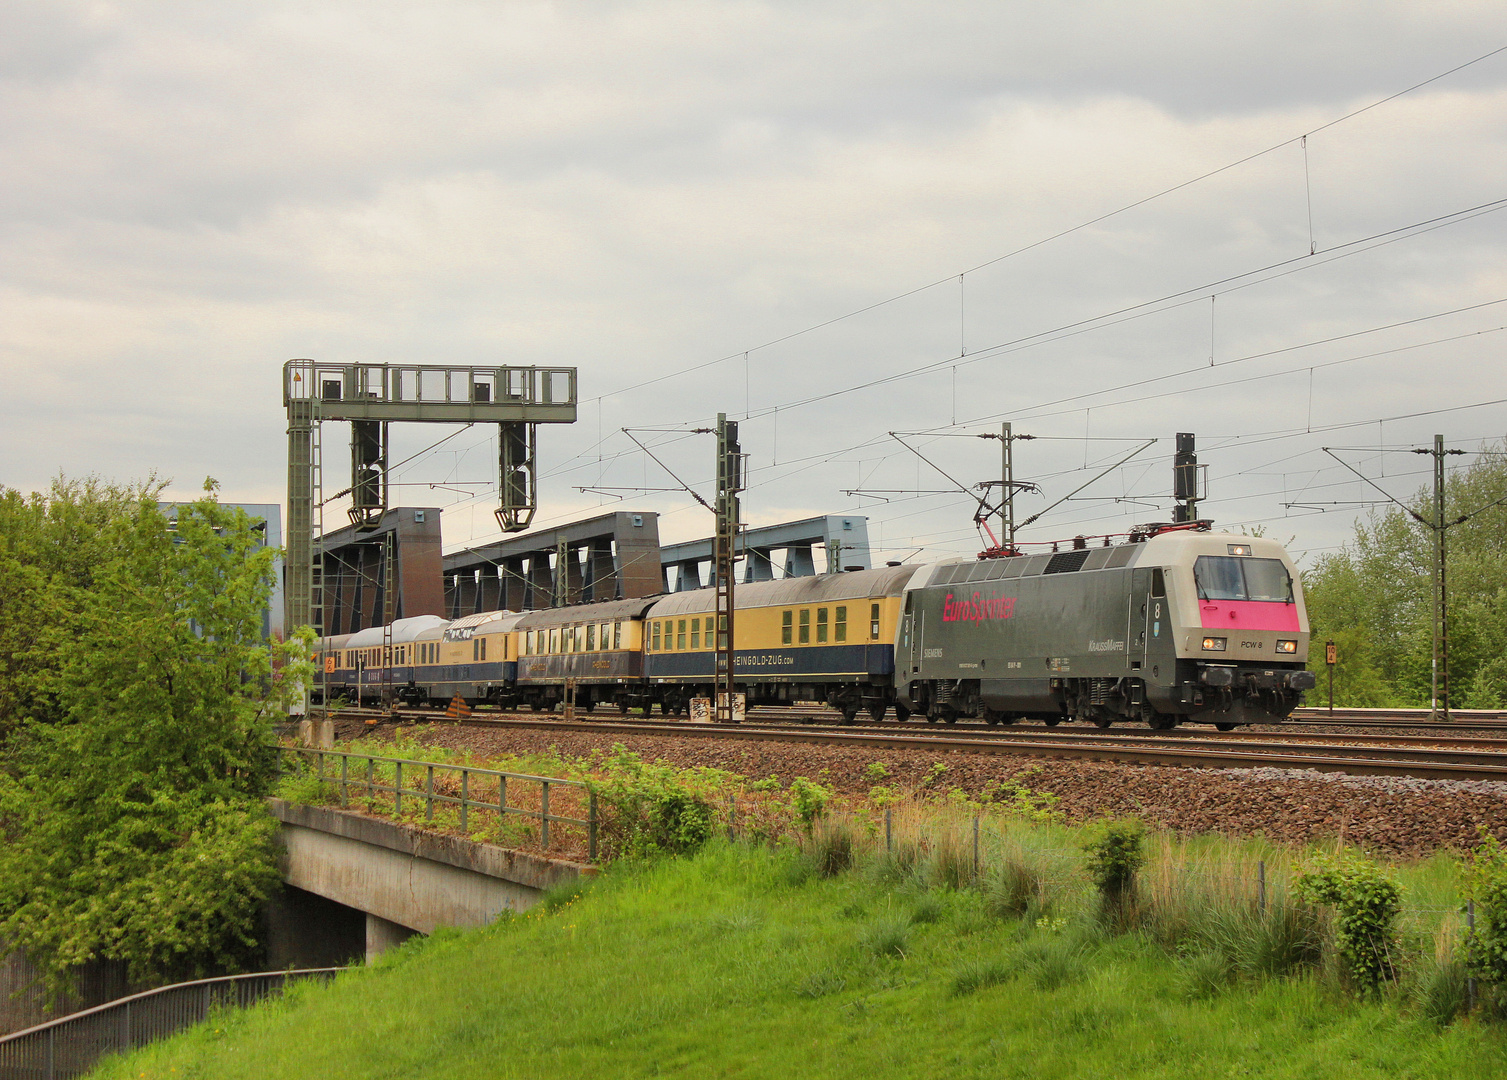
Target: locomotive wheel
{"x":1225,"y":726}
{"x":992,"y":718}
{"x":902,"y":714}
{"x":849,"y":713}
{"x":932,"y":718}
{"x":1161,"y":721}
{"x":949,"y":717}
{"x":876,"y":711}
{"x":1052,"y":721}
{"x":623,"y":707}
{"x":1103,"y":720}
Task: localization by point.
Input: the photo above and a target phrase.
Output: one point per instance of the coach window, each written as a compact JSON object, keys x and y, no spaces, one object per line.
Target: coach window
{"x":785,"y":627}
{"x":680,"y":636}
{"x":617,"y":635}
{"x":874,"y":619}
{"x":805,"y":637}
{"x":591,"y":638}
{"x":695,"y":633}
{"x":655,"y":646}
{"x":554,"y":641}
{"x":821,"y":624}
{"x":840,"y":624}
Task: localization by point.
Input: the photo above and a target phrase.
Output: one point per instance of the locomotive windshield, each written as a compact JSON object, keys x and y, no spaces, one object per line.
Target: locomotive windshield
{"x":1225,"y":577}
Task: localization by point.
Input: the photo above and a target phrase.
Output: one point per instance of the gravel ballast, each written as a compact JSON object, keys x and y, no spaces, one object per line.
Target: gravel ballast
{"x":1393,"y":816}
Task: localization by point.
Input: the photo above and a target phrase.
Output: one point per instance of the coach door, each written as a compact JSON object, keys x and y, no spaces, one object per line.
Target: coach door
{"x":1151,"y":620}
{"x":907,"y":652}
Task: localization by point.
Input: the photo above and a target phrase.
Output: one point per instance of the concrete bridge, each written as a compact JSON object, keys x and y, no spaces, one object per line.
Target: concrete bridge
{"x":359,"y":885}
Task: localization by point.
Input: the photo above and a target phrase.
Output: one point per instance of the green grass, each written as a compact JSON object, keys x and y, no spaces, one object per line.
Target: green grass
{"x":744,"y":963}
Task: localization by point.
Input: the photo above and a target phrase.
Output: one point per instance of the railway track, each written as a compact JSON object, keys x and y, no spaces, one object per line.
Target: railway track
{"x":1424,"y":757}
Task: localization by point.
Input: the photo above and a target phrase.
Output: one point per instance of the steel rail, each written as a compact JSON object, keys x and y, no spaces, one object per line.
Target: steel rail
{"x":1277,"y":737}
{"x":1368,"y":761}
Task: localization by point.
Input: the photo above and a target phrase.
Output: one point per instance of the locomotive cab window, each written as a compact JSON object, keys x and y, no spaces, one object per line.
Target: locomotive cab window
{"x":785,"y":629}
{"x":1231,"y":577}
{"x":1158,"y":582}
{"x":805,"y":626}
{"x":840,"y":624}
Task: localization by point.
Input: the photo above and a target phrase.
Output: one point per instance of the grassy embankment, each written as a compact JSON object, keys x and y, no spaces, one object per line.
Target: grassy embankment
{"x":744,"y":961}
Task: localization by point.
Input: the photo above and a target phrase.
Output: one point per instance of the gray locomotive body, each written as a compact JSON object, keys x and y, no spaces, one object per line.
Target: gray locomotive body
{"x":1185,"y":625}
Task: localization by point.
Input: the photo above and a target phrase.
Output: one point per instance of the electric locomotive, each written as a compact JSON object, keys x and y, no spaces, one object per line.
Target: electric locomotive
{"x":1183,"y":625}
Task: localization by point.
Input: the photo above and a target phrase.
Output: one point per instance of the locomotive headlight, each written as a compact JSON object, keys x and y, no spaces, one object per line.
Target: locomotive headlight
{"x":1287,"y":646}
{"x":1214,"y":644}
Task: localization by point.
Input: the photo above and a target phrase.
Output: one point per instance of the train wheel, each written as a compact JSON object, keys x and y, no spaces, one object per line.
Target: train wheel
{"x":1225,"y":726}
{"x":1052,"y":721}
{"x":902,"y":714}
{"x":932,"y":718}
{"x":1103,"y":720}
{"x":849,"y":713}
{"x":623,"y":707}
{"x":1161,"y":721}
{"x":876,"y":711}
{"x":949,"y":717}
{"x":992,"y":718}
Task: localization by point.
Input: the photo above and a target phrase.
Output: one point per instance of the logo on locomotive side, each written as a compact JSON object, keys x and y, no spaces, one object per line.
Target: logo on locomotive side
{"x":1108,"y":645}
{"x":977,"y":608}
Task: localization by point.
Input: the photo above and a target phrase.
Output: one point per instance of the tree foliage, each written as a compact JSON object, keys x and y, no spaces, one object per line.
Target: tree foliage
{"x":138,"y":695}
{"x":1374,"y":598}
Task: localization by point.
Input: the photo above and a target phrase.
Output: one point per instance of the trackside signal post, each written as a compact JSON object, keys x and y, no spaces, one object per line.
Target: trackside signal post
{"x":372,"y":396}
{"x":725,"y":545}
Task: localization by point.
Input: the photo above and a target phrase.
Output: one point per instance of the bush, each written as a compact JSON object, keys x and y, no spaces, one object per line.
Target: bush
{"x":1115,"y":852}
{"x":653,"y":808}
{"x":1366,"y":902}
{"x":1487,"y":953}
{"x":808,"y":801}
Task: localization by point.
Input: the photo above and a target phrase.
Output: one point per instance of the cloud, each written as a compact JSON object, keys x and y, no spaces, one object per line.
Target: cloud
{"x":191,"y":194}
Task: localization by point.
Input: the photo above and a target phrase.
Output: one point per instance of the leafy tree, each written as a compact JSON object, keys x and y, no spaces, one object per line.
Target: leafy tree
{"x":51,"y":547}
{"x":1374,"y":598}
{"x":131,"y":813}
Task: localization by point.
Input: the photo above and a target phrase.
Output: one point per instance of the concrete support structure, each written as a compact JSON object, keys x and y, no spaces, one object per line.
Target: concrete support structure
{"x":404,"y":879}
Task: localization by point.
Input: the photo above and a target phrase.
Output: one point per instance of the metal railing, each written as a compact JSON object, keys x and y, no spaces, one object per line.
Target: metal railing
{"x":72,"y":1045}
{"x":369,"y":778}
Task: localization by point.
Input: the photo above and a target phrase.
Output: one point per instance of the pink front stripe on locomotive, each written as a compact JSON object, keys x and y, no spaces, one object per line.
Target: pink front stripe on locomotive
{"x":1249,"y":615}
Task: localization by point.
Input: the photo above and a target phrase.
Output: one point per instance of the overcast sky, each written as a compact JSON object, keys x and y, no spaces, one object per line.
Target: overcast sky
{"x":868,"y":200}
